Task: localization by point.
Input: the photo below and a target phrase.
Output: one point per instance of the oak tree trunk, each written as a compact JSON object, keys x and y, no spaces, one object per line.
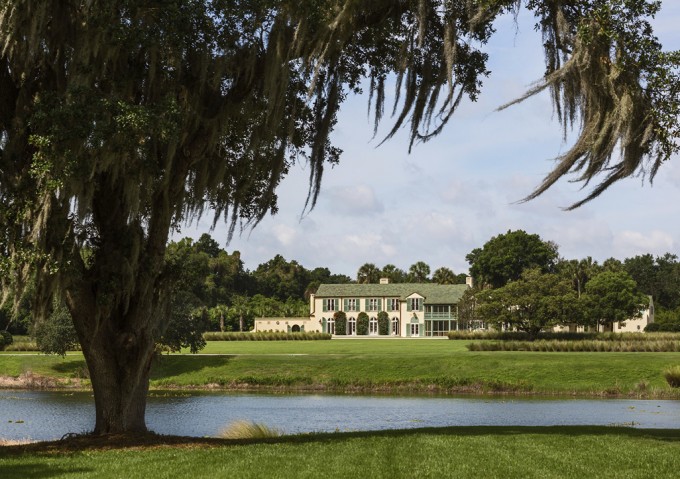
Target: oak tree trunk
{"x":119,"y":363}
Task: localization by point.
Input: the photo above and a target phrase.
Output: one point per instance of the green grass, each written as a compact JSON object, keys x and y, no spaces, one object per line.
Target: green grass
{"x":465,"y":452}
{"x":399,"y":365}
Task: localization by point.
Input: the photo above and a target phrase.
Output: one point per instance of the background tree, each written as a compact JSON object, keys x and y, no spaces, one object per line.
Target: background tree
{"x":658,"y":277}
{"x":536,"y":302}
{"x":281,"y":279}
{"x":612,"y":297}
{"x":56,"y":334}
{"x":665,"y":320}
{"x":444,"y":276}
{"x":394,"y":274}
{"x":419,"y":272}
{"x":368,"y":273}
{"x":119,"y":120}
{"x":467,"y":308}
{"x":504,"y":257}
{"x":610,"y":264}
{"x":578,"y":271}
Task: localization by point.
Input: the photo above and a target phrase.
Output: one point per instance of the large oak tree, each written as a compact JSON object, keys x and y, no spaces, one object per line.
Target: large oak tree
{"x":121,"y":119}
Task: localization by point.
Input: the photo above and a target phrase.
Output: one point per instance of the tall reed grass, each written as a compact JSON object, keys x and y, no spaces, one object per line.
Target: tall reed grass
{"x":265,"y":336}
{"x":672,"y":376}
{"x":247,"y":430}
{"x":658,"y":346}
{"x":562,"y":336}
{"x":23,"y":345}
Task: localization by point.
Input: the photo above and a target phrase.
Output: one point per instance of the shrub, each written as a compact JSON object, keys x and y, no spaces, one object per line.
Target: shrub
{"x":383,"y":323}
{"x":340,"y":323}
{"x":672,"y":376}
{"x":7,"y":338}
{"x":362,"y":324}
{"x":265,"y":336}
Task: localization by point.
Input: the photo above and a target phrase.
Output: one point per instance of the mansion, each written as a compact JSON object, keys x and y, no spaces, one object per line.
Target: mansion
{"x":413,"y":309}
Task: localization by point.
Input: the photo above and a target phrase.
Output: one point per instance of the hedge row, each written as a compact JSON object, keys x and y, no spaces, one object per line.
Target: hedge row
{"x":265,"y":336}
{"x":659,"y":346}
{"x":5,"y":339}
{"x":562,"y":336}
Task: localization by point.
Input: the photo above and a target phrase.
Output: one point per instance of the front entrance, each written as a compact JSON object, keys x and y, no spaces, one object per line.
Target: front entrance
{"x":415,"y":329}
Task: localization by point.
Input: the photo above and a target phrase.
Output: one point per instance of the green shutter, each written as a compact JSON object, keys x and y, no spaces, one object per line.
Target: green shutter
{"x":408,"y":305}
{"x":302,"y":328}
{"x":324,"y":326}
{"x":324,"y":304}
{"x":366,"y":304}
{"x":345,"y":304}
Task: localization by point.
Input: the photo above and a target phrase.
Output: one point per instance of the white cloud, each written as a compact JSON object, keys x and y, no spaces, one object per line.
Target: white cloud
{"x":353,"y":200}
{"x":285,"y":234}
{"x":632,"y":243}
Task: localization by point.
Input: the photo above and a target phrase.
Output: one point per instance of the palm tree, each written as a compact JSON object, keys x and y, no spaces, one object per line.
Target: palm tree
{"x":444,"y":276}
{"x":579,"y":272}
{"x":419,"y":272}
{"x":368,"y":273}
{"x":394,"y":274}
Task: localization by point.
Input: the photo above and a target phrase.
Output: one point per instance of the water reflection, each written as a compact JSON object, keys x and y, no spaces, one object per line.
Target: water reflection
{"x":49,"y":415}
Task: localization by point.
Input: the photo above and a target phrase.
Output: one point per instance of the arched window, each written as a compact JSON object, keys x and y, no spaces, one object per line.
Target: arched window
{"x":352,"y":326}
{"x":296,"y":328}
{"x":330,"y":325}
{"x":395,"y":326}
{"x":373,"y":326}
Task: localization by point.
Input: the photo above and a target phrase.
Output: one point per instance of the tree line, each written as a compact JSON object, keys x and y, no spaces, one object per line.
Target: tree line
{"x":213,"y":291}
{"x":521,"y":282}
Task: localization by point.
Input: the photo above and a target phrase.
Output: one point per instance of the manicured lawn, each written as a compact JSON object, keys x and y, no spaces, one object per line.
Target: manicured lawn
{"x":469,"y":452}
{"x":400,"y":364}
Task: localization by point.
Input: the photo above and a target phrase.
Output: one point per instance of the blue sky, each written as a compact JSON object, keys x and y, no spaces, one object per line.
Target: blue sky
{"x":452,"y":194}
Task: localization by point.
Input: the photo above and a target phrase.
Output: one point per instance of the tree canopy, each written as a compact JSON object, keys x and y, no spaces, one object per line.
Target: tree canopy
{"x":533,"y":303}
{"x":613,"y":297}
{"x":505,"y":257}
{"x":122,"y":119}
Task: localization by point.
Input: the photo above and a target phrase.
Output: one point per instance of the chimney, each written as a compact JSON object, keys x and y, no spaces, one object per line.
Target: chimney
{"x":384,"y":280}
{"x":468,"y":281}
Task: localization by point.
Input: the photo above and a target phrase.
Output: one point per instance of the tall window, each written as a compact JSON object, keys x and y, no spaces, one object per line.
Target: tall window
{"x":395,"y":326}
{"x":352,"y":326}
{"x":330,"y":326}
{"x":415,"y":304}
{"x":373,"y":304}
{"x":351,"y":304}
{"x":393,"y":304}
{"x":415,"y":329}
{"x":373,"y":326}
{"x":330,"y":304}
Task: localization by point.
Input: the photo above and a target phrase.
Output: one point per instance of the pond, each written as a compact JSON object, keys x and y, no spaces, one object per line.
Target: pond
{"x":44,"y":415}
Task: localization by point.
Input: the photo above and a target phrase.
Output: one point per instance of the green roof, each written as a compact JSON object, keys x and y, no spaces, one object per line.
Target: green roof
{"x":433,"y":293}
